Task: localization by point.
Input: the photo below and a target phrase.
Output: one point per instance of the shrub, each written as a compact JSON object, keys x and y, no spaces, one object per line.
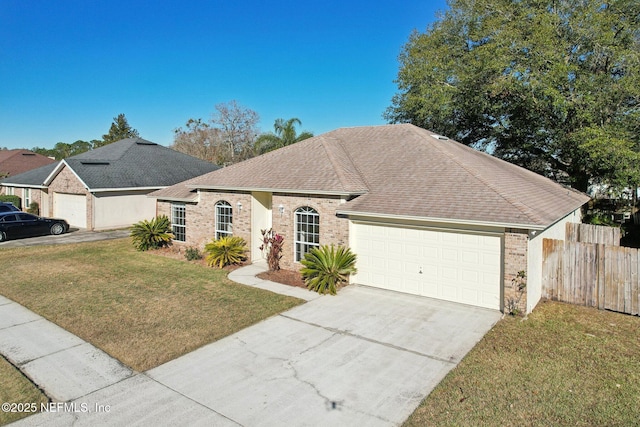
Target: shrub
{"x":519,"y":284}
{"x":17,"y":201}
{"x":327,"y":267}
{"x":152,"y":234}
{"x":225,"y":251}
{"x":192,"y":254}
{"x":34,"y":208}
{"x":272,"y":243}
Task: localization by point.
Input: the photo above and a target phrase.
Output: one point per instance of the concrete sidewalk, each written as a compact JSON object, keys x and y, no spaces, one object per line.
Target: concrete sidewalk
{"x":60,"y":363}
{"x":247,"y":276}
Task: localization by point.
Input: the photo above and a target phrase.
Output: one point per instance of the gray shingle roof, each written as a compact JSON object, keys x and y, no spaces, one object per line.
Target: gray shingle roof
{"x":399,"y":170}
{"x":129,"y":163}
{"x":33,"y":178}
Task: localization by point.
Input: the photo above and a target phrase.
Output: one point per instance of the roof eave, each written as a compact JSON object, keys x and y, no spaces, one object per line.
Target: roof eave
{"x":11,"y":184}
{"x":536,"y":227}
{"x":174,"y":199}
{"x":104,"y":190}
{"x":276,"y":190}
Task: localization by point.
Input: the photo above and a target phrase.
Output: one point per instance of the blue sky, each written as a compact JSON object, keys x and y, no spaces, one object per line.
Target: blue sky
{"x":68,"y":67}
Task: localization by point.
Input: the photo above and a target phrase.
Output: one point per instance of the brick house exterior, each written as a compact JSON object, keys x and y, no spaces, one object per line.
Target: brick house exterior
{"x":106,"y":188}
{"x":424,"y":214}
{"x":201,"y":228}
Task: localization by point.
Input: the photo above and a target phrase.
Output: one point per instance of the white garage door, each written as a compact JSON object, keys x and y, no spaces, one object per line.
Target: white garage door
{"x":453,"y":266}
{"x":71,"y":207}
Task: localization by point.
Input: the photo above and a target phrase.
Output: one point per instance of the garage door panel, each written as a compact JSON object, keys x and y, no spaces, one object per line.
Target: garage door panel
{"x":460,"y":267}
{"x":71,"y":207}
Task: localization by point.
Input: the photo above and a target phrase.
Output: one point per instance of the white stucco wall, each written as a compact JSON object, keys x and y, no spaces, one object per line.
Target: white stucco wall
{"x":534,"y":256}
{"x":118,"y":210}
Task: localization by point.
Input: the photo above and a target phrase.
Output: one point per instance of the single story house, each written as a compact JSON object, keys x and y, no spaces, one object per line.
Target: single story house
{"x":425,"y":215}
{"x":14,"y":162}
{"x":106,"y":187}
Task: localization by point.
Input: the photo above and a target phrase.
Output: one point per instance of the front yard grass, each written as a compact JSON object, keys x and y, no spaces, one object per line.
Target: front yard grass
{"x":19,"y":390}
{"x":141,"y":308}
{"x":564,"y":365}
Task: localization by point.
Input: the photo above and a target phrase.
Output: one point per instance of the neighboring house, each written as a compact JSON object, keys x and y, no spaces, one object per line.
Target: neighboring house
{"x":424,"y":214}
{"x":14,"y":162}
{"x":106,"y":187}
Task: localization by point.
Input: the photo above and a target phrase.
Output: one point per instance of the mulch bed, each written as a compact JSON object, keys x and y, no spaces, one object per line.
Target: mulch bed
{"x":286,"y":277}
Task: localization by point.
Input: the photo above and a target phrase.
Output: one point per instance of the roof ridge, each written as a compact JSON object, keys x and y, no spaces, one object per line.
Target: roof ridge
{"x":337,"y":166}
{"x":518,"y":205}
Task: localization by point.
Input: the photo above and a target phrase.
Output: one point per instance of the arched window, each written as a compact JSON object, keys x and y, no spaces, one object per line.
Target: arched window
{"x":224,"y":219}
{"x":307,"y":233}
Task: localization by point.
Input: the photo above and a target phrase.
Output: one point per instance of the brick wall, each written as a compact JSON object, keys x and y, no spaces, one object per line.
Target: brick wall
{"x":67,"y":182}
{"x":333,"y":230}
{"x":515,"y":260}
{"x":200,"y":218}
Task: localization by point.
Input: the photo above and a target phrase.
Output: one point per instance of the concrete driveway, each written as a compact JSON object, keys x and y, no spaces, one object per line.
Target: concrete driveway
{"x":366,"y":357}
{"x":75,"y":235}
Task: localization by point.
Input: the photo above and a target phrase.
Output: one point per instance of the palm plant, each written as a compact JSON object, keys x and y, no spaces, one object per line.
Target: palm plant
{"x":225,"y":251}
{"x":152,"y":234}
{"x":327,"y":267}
{"x":284,"y":133}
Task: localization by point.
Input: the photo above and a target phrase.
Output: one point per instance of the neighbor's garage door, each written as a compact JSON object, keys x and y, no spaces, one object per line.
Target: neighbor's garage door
{"x":71,"y":207}
{"x":453,"y":266}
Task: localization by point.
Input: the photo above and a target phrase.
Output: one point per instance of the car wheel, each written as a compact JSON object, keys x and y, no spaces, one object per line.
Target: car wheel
{"x":3,"y":236}
{"x":57,"y":229}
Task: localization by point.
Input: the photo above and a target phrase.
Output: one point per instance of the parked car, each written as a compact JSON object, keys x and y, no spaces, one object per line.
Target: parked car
{"x":8,"y":207}
{"x":14,"y":225}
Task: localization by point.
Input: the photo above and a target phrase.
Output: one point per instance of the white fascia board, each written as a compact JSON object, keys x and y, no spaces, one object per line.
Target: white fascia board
{"x":6,"y":184}
{"x":277,"y":190}
{"x":105,"y":190}
{"x":57,"y":170}
{"x":374,"y":216}
{"x":173,"y":199}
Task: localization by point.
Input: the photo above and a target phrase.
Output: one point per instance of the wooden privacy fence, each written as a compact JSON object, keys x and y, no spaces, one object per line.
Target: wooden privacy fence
{"x":591,"y":274}
{"x":589,"y":233}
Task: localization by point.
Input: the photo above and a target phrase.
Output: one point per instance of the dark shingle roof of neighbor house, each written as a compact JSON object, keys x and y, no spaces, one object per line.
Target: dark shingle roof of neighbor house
{"x":129,"y":163}
{"x":14,"y":162}
{"x":399,"y":171}
{"x":33,"y":178}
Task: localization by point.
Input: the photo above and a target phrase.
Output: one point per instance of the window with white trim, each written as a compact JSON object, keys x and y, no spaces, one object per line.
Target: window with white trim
{"x":307,"y":233}
{"x":179,"y":221}
{"x":26,"y":197}
{"x":9,"y":191}
{"x":224,"y":219}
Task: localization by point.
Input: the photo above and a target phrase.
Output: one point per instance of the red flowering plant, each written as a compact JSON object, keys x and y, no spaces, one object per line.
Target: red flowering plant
{"x":272,"y":243}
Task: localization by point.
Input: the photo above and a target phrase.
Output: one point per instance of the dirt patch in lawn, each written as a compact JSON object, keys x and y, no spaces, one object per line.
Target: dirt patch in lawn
{"x":286,"y":277}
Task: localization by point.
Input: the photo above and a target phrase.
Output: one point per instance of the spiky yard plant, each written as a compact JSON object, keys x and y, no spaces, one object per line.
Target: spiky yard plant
{"x":151,"y":234}
{"x":327,"y":267}
{"x":225,"y":251}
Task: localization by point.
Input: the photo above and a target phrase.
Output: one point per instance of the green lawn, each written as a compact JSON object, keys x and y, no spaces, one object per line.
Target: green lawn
{"x":142,"y":308}
{"x":563,"y":366}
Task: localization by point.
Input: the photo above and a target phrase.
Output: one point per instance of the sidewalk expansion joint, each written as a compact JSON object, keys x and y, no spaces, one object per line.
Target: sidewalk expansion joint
{"x":191,"y":399}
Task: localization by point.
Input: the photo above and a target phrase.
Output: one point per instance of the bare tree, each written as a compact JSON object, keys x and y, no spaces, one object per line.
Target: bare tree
{"x":228,"y":137}
{"x":239,"y":126}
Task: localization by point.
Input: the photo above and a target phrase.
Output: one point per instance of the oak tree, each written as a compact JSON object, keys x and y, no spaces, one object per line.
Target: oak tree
{"x":550,"y":85}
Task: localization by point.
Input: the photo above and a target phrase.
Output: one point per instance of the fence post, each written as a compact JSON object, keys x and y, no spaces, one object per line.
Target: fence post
{"x":600,"y":288}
